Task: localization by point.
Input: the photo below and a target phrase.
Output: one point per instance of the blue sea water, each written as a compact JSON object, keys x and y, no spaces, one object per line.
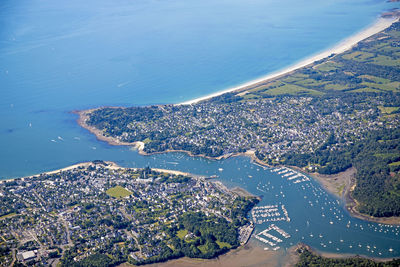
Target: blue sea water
{"x":59,"y":56}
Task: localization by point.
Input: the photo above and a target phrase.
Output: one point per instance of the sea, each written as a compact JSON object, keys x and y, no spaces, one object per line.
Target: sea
{"x":61,"y":56}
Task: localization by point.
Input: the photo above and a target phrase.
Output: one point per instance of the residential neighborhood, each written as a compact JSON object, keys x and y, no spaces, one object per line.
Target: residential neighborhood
{"x":96,"y":208}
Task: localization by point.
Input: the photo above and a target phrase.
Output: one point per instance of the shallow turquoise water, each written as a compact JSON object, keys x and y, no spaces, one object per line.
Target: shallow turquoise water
{"x":56,"y":57}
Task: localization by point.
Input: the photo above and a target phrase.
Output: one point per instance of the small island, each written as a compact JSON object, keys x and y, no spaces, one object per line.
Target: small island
{"x":99,"y":214}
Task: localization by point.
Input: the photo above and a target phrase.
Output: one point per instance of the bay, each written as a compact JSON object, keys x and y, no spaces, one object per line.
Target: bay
{"x":56,"y":57}
{"x":60,"y":56}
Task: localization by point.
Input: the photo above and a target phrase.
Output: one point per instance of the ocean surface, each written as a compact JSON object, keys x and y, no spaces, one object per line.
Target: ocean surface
{"x":60,"y":56}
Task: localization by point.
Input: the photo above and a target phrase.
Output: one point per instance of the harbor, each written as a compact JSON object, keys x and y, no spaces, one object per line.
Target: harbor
{"x":305,"y":212}
{"x":266,"y":237}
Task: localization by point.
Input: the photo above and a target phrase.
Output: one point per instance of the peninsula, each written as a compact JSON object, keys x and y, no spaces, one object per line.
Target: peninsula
{"x":325,"y":117}
{"x":98,"y":212}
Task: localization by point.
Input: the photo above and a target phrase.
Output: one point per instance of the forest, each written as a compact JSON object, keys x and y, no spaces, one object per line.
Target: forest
{"x":310,"y":259}
{"x":196,"y":236}
{"x":376,"y":159}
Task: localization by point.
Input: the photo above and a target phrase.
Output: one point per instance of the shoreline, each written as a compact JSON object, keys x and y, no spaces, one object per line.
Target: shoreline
{"x":351,"y":206}
{"x":350,"y":203}
{"x":332,"y":255}
{"x":323,"y":180}
{"x":250,"y":252}
{"x":114,"y":166}
{"x":379,"y":25}
{"x":346,"y":179}
{"x":110,"y":164}
{"x":248,"y":255}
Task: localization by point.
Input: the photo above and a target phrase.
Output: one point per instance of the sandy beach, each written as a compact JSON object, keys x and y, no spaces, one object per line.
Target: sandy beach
{"x":346,"y":44}
{"x":340,"y":184}
{"x":110,"y":165}
{"x":172,"y":172}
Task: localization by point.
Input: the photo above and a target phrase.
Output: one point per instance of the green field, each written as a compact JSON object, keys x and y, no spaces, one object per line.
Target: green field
{"x":291,"y":89}
{"x":388,"y":110}
{"x":182,"y":233}
{"x":397,"y":163}
{"x":328,"y":66}
{"x":118,"y":192}
{"x":393,"y":86}
{"x":386,"y":61}
{"x":223,"y":244}
{"x":358,"y":56}
{"x":366,"y":90}
{"x":374,"y":78}
{"x":146,"y":141}
{"x":310,"y":82}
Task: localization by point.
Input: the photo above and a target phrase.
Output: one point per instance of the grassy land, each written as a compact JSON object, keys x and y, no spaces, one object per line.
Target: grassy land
{"x":182,"y":233}
{"x":340,"y":189}
{"x":388,"y":110}
{"x":327,"y":66}
{"x":223,"y":244}
{"x":369,"y":67}
{"x":359,"y":56}
{"x":365,"y":90}
{"x":118,"y":192}
{"x":146,"y":141}
{"x":291,"y":89}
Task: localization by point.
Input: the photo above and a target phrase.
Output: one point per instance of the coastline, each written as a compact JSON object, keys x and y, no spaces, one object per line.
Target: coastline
{"x":242,"y":249}
{"x":328,"y":182}
{"x":345,"y":180}
{"x":248,"y":255}
{"x":172,"y":172}
{"x":83,"y":116}
{"x":110,"y":165}
{"x":351,"y":206}
{"x":324,"y":180}
{"x":379,"y":25}
{"x":331,"y":255}
{"x":114,"y":166}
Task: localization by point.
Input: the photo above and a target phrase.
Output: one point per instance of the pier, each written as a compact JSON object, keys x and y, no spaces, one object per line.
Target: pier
{"x":269,"y":213}
{"x":270,"y":239}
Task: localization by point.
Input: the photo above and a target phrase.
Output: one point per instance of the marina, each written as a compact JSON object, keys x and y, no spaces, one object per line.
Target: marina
{"x":303,"y":210}
{"x":102,"y":56}
{"x":306,"y":213}
{"x":269,"y":213}
{"x":266,"y":237}
{"x":290,"y":175}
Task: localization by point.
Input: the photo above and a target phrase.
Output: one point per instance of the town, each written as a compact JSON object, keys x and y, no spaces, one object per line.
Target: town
{"x":325,"y":117}
{"x":100,"y":211}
